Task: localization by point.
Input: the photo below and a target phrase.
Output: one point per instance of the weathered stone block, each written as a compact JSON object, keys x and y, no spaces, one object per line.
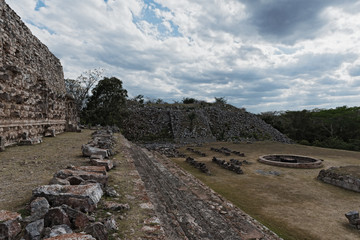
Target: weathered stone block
{"x":60,"y":230}
{"x":56,"y":216}
{"x":34,"y":230}
{"x":88,"y":150}
{"x":39,"y":207}
{"x":108,"y":164}
{"x":352,"y":216}
{"x":9,"y":224}
{"x":79,"y":220}
{"x":82,"y":197}
{"x":67,"y":173}
{"x":98,"y":230}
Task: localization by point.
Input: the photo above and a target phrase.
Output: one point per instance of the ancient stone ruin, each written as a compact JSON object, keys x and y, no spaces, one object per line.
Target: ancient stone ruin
{"x":33,"y":99}
{"x":61,"y":209}
{"x":347,"y":177}
{"x":292,"y":161}
{"x":195,"y":124}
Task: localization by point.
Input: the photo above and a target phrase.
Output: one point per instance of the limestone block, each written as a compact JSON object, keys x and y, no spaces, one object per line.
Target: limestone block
{"x":81,"y":197}
{"x":9,"y":224}
{"x":34,"y":230}
{"x":39,"y":207}
{"x":108,"y":164}
{"x":56,"y":216}
{"x":98,"y":177}
{"x":79,"y":220}
{"x":352,"y":216}
{"x":98,"y":230}
{"x":59,"y":230}
{"x":87,"y":151}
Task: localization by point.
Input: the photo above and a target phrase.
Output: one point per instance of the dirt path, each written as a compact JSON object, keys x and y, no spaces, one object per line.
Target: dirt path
{"x":188,"y":209}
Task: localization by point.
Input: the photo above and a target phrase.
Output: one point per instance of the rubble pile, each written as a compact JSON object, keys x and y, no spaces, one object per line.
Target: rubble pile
{"x":62,"y":209}
{"x":227,"y":165}
{"x":199,"y":165}
{"x":196,"y":151}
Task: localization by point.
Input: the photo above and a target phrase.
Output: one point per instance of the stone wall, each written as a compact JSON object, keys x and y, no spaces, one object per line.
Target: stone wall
{"x":32,"y":89}
{"x":347,"y":177}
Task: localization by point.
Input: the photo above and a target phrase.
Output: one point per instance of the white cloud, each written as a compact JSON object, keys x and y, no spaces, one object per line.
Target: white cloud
{"x":234,"y":49}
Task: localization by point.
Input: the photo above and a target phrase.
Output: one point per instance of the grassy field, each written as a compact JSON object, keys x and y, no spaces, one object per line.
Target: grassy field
{"x":295,"y":205}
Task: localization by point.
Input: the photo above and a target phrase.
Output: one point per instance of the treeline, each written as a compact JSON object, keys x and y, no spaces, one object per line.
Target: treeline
{"x":331,"y":128}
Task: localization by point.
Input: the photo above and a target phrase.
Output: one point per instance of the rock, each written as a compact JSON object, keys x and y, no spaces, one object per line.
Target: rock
{"x":56,"y":216}
{"x":111,"y":192}
{"x":87,"y":151}
{"x":94,"y":156}
{"x":114,"y":206}
{"x":75,"y":180}
{"x":79,"y":220}
{"x":34,"y":230}
{"x":81,"y":176}
{"x":110,"y":224}
{"x":10,"y":225}
{"x":97,"y":230}
{"x":72,"y":236}
{"x":39,"y":207}
{"x":59,"y":181}
{"x":60,"y":230}
{"x":108,"y":164}
{"x":352,"y":216}
{"x":81,"y":197}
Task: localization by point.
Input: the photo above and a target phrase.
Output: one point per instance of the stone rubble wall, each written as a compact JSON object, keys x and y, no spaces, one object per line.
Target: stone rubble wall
{"x":33,"y":98}
{"x":196,"y":124}
{"x":338,"y":178}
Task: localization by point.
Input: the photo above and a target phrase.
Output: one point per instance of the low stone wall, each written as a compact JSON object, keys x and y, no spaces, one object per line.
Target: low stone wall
{"x":33,"y":98}
{"x":343,"y":177}
{"x":291,"y":161}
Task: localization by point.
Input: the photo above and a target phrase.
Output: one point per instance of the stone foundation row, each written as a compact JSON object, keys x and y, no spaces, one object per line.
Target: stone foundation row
{"x":62,"y":209}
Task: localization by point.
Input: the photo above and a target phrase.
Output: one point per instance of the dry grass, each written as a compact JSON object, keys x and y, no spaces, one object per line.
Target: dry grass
{"x":295,"y":205}
{"x":25,"y":167}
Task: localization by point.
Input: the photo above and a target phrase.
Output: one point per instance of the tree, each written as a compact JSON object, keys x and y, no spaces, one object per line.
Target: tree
{"x":80,"y":87}
{"x":107,"y":104}
{"x":189,"y":100}
{"x":220,"y":100}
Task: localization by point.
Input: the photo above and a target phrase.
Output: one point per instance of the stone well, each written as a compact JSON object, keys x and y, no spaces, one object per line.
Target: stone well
{"x":293,"y":161}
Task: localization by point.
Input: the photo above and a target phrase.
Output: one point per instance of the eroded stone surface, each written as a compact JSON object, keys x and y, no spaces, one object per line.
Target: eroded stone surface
{"x":9,"y":224}
{"x":34,"y":230}
{"x":85,"y":175}
{"x":82,"y":197}
{"x":88,"y":150}
{"x":108,"y":164}
{"x":73,"y":236}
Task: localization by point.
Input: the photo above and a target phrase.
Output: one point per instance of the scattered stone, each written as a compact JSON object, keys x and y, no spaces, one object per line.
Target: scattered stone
{"x":110,"y":224}
{"x":87,"y":151}
{"x":111,"y":192}
{"x":60,"y":230}
{"x":79,"y":176}
{"x":10,"y":225}
{"x":59,"y":181}
{"x":201,"y":166}
{"x":34,"y":230}
{"x":114,"y":206}
{"x":97,"y":230}
{"x":72,"y":236}
{"x":94,"y":156}
{"x":81,"y":197}
{"x":56,"y":216}
{"x":38,"y":207}
{"x":353,"y":217}
{"x":108,"y":164}
{"x":265,"y":173}
{"x":78,"y":219}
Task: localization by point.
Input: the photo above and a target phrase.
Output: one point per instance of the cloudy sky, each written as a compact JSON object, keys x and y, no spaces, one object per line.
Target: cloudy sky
{"x":264,"y":55}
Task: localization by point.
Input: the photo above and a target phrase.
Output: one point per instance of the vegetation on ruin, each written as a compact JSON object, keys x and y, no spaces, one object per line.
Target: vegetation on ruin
{"x":331,"y":128}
